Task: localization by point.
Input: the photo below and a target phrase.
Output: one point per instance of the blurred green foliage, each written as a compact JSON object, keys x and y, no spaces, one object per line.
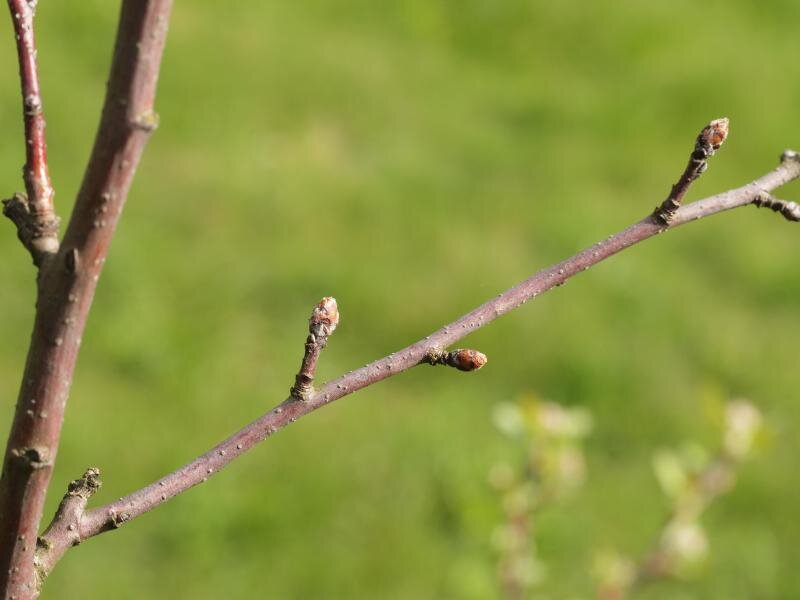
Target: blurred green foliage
{"x":413,"y":159}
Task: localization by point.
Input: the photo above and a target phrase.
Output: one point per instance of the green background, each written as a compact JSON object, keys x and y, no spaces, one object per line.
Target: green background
{"x":413,"y":159}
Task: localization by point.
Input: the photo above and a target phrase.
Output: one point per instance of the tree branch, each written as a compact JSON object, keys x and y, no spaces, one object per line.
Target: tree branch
{"x":322,"y":323}
{"x":427,"y":350}
{"x":34,"y":215}
{"x":707,"y":143}
{"x":67,"y":284}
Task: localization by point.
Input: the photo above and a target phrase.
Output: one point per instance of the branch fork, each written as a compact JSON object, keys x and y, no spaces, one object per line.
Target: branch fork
{"x":67,"y":278}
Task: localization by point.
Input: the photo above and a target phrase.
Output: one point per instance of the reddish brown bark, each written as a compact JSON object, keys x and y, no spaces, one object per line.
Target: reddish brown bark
{"x":67,"y":284}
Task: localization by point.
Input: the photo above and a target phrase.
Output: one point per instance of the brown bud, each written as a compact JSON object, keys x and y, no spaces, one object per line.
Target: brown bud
{"x":466,"y":359}
{"x":714,"y":133}
{"x":324,"y":318}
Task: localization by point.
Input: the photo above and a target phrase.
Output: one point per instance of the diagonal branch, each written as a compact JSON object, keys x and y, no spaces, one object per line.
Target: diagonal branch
{"x":427,"y":350}
{"x":34,"y":215}
{"x":67,"y":285}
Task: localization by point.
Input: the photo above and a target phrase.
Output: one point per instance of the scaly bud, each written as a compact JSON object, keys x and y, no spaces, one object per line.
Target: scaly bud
{"x":466,"y":359}
{"x":714,"y":134}
{"x":324,"y":318}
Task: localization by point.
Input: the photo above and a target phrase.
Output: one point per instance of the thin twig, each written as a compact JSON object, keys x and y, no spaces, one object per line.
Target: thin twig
{"x":707,"y":143}
{"x":34,"y":215}
{"x":322,"y":323}
{"x":67,"y":285}
{"x":789,"y":210}
{"x":117,"y":513}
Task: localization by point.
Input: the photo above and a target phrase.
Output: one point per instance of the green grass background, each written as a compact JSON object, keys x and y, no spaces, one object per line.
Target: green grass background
{"x":413,"y":159}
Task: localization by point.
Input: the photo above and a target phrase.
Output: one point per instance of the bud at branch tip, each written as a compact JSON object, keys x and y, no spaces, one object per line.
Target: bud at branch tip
{"x":715,"y":133}
{"x":324,"y":318}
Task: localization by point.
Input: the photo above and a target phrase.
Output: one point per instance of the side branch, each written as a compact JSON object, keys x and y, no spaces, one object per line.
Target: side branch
{"x":322,"y":323}
{"x":427,"y":350}
{"x":34,"y":214}
{"x":708,"y":142}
